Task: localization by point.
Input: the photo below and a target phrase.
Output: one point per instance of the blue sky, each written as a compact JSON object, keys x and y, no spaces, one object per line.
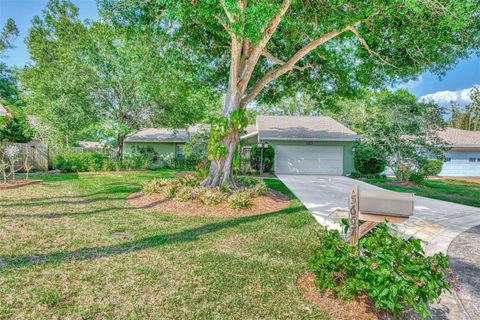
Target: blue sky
{"x":455,"y":85}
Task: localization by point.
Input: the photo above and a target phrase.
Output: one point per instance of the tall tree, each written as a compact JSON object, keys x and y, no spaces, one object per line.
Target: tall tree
{"x":104,"y":77}
{"x":324,"y":47}
{"x":8,"y":86}
{"x":468,"y":117}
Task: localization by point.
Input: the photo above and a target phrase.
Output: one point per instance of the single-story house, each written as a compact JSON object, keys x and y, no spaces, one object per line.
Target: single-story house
{"x":162,"y":140}
{"x":463,"y":157}
{"x":303,"y":144}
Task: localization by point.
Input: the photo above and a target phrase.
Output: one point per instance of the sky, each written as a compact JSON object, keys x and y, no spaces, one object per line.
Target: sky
{"x":454,"y":86}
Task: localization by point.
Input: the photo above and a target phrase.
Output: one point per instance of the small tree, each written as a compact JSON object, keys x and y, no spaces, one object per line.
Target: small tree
{"x":12,"y":154}
{"x":402,"y":128}
{"x":256,"y":158}
{"x":369,"y":158}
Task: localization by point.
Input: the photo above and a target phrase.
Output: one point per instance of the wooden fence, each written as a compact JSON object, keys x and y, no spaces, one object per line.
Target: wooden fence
{"x":34,"y":153}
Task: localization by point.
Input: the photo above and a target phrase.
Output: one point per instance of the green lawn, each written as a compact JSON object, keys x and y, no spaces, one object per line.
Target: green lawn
{"x":58,"y":258}
{"x":458,"y":191}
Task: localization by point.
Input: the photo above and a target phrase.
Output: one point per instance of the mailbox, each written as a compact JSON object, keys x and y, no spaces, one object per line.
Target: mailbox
{"x":383,"y":202}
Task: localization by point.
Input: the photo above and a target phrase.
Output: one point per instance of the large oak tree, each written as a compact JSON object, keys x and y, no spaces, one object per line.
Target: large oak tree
{"x":273,"y":48}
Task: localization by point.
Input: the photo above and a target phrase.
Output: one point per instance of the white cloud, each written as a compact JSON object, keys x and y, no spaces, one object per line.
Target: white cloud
{"x":410,"y":84}
{"x":444,"y":98}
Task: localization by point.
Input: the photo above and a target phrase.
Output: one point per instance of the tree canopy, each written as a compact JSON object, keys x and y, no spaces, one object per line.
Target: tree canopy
{"x":263,"y":50}
{"x":99,"y":77}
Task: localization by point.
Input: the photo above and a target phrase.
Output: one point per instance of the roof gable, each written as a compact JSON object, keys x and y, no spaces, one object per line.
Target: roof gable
{"x":460,"y":138}
{"x":303,"y":128}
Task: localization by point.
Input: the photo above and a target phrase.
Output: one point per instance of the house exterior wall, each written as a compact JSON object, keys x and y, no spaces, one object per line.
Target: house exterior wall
{"x":459,"y":164}
{"x":348,"y":166}
{"x":162,"y":148}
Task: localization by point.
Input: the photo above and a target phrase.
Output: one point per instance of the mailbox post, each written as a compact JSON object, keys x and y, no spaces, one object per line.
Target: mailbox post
{"x":373,"y":207}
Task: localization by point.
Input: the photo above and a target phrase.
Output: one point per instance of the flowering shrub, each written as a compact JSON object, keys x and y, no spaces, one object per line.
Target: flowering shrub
{"x":392,"y":271}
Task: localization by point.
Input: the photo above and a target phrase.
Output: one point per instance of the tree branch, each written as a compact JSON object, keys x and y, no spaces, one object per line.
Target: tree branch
{"x":289,"y":65}
{"x":256,"y":51}
{"x":230,"y":17}
{"x":276,"y":60}
{"x":365,"y":44}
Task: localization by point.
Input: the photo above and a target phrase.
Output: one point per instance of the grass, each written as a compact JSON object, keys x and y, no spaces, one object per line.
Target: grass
{"x":58,"y":258}
{"x":458,"y":191}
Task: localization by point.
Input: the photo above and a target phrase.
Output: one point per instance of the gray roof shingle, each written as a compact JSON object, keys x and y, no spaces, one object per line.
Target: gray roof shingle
{"x":164,"y":134}
{"x":303,"y":128}
{"x":461,"y":138}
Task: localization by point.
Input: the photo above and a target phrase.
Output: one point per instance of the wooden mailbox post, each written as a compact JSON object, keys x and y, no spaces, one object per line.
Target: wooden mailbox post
{"x":373,"y":207}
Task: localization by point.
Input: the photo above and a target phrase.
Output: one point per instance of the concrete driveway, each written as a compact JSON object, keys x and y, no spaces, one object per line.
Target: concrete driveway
{"x":436,"y":222}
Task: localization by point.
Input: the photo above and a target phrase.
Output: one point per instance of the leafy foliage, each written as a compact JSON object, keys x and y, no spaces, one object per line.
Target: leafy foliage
{"x":268,"y":157}
{"x":369,"y":159}
{"x":467,"y":118}
{"x":431,"y":167}
{"x":404,"y":129}
{"x":240,"y":200}
{"x":211,"y":196}
{"x":392,"y":271}
{"x":99,"y":78}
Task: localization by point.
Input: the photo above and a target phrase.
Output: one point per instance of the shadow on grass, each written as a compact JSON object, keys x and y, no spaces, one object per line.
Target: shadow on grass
{"x":188,"y":235}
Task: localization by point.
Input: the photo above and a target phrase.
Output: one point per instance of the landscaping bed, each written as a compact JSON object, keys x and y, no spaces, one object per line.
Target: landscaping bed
{"x":12,"y":184}
{"x":270,"y":202}
{"x":183,"y":195}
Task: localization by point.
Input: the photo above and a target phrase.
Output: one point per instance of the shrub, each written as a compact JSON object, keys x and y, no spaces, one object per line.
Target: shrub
{"x":169,"y":191}
{"x":80,"y":161}
{"x":369,"y":159}
{"x":394,"y":272}
{"x":211,"y":197}
{"x":184,"y":193}
{"x":431,"y":167}
{"x":153,"y":186}
{"x":188,"y":181}
{"x":247,"y":181}
{"x":259,"y":189}
{"x":268,"y":157}
{"x":416,"y":177}
{"x":135,"y":162}
{"x":240,"y":200}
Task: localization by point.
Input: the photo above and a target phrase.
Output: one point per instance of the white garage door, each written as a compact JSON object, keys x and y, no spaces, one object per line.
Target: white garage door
{"x":309,"y":160}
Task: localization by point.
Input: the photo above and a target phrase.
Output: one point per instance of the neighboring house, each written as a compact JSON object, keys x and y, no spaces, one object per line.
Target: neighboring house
{"x":163,"y":141}
{"x":303,"y":145}
{"x":306,"y":145}
{"x":3,"y":111}
{"x":463,"y":159}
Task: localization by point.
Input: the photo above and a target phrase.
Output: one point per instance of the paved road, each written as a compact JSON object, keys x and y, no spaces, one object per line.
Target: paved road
{"x":436,"y":222}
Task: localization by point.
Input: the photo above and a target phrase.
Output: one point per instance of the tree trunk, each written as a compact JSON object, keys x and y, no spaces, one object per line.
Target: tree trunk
{"x":120,"y":139}
{"x":221,"y":170}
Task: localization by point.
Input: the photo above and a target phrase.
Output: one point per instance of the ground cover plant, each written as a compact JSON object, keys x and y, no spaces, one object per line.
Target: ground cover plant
{"x":453,"y":190}
{"x":73,"y":247}
{"x":393,"y":272}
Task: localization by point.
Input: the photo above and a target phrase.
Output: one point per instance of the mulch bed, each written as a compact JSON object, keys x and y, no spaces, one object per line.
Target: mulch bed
{"x":12,"y":184}
{"x":360,"y":309}
{"x":271,"y":202}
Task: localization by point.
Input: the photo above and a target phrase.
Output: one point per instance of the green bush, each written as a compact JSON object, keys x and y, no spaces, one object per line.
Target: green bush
{"x":268,"y":157}
{"x":211,"y":197}
{"x":184,"y":193}
{"x":416,"y":177}
{"x":259,"y":189}
{"x":369,"y":159}
{"x":393,"y":272}
{"x":246,"y":181}
{"x":240,"y":200}
{"x":153,"y":186}
{"x":431,"y":167}
{"x":96,"y":161}
{"x":80,"y":161}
